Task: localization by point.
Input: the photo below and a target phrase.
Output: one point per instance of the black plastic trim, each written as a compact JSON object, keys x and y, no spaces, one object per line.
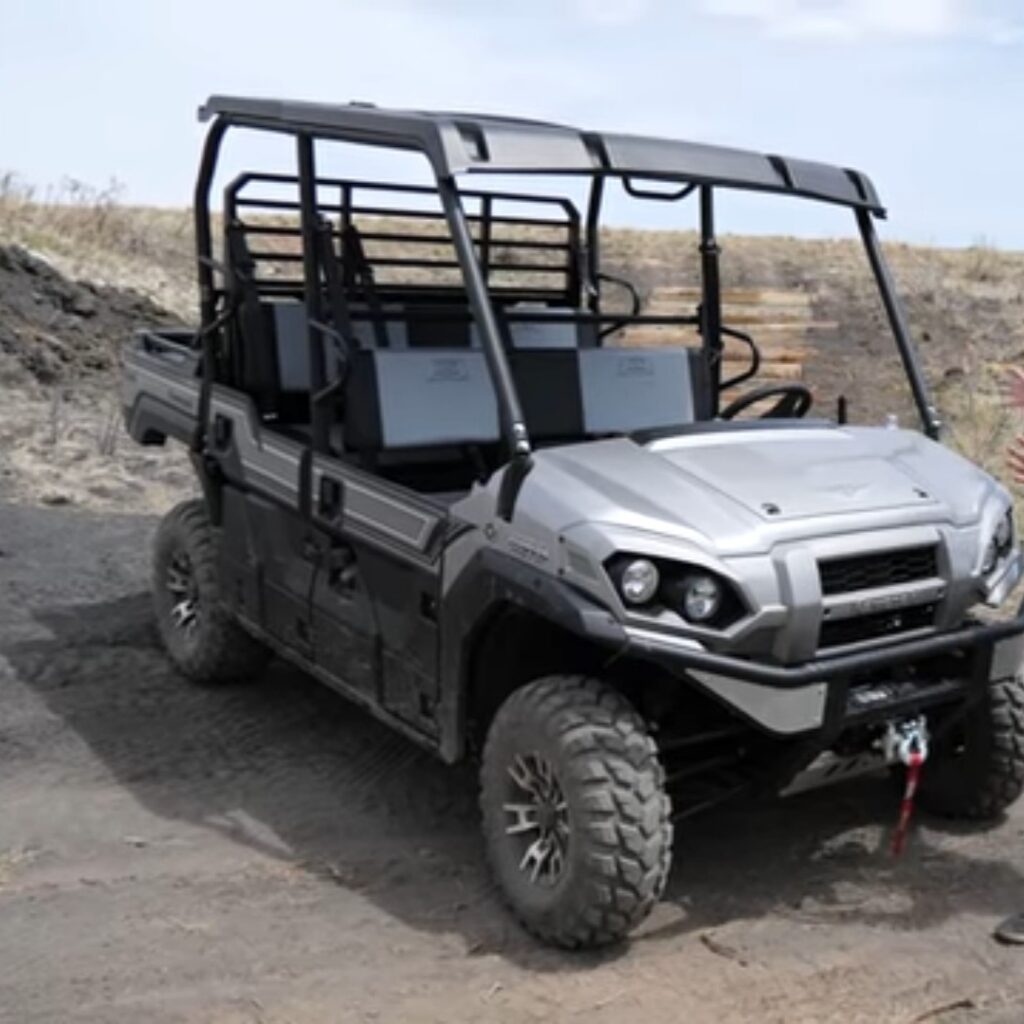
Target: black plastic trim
{"x":490,"y":580}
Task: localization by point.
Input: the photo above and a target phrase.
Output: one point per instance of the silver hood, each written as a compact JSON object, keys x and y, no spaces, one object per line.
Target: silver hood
{"x":733,"y":489}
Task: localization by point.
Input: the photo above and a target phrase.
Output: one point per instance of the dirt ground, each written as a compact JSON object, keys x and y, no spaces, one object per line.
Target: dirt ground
{"x":270,"y":854}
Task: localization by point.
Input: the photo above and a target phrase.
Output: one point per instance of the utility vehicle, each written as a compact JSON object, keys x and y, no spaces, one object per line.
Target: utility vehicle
{"x":435,"y":478}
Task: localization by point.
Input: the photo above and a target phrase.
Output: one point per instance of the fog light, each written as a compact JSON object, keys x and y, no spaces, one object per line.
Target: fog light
{"x":702,"y":597}
{"x":639,"y":581}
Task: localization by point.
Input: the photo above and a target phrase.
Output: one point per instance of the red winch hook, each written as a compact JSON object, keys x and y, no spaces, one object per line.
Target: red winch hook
{"x":908,"y":742}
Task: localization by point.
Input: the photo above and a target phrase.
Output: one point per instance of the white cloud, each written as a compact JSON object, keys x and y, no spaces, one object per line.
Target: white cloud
{"x":861,"y":19}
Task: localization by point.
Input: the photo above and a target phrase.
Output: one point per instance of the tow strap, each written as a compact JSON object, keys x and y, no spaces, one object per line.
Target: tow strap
{"x":909,"y":743}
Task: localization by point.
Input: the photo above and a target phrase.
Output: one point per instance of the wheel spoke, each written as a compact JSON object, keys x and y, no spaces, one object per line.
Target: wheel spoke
{"x":541,"y":819}
{"x":522,"y":774}
{"x":536,"y":854}
{"x":177,"y":580}
{"x":527,"y":818}
{"x":183,"y":614}
{"x":556,"y":861}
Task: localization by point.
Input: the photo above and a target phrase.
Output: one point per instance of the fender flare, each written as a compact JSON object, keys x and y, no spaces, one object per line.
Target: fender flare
{"x":490,"y":580}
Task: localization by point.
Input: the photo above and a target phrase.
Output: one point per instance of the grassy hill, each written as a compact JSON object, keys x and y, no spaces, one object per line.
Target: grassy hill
{"x":966,"y":309}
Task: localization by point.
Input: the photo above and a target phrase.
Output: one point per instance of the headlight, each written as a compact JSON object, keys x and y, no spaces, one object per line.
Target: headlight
{"x":691,"y":593}
{"x":701,"y":597}
{"x":999,"y":545}
{"x":1004,"y":533}
{"x":639,"y":581}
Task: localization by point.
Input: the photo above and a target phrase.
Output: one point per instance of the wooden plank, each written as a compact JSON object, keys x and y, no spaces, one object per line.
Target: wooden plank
{"x":736,"y":350}
{"x":768,"y":371}
{"x":739,"y":296}
{"x":779,"y":320}
{"x":734,"y":313}
{"x":650,"y":335}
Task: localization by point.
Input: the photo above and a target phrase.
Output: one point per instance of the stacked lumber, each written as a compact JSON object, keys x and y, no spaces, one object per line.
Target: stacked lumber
{"x":780,"y":320}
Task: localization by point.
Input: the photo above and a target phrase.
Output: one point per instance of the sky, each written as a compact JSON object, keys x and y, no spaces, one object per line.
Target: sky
{"x":924,"y":95}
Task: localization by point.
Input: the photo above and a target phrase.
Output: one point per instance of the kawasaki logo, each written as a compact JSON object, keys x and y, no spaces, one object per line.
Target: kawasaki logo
{"x":885,"y":602}
{"x":528,"y":549}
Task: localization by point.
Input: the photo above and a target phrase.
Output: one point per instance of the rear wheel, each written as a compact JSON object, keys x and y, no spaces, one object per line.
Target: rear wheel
{"x":200,"y":634}
{"x":977,"y":770}
{"x":575,"y":815}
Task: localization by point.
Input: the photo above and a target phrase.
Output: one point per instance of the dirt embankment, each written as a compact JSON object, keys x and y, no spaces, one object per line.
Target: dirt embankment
{"x":61,"y":438}
{"x":57,"y":331}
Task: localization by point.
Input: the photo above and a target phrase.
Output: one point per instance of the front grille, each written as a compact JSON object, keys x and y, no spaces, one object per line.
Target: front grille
{"x":862,"y":572}
{"x":875,"y":626}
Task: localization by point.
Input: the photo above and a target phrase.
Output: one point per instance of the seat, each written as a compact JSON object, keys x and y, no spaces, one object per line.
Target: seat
{"x":561,"y":328}
{"x":436,"y":406}
{"x":627,"y":390}
{"x":285,"y":333}
{"x":548,"y":384}
{"x":419,"y":399}
{"x":427,"y":419}
{"x":432,"y":398}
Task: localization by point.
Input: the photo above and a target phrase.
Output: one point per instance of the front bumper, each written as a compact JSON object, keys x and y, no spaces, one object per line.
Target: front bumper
{"x":831,"y":693}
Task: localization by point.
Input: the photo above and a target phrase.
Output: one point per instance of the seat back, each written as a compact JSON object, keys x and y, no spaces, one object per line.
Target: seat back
{"x":419,"y":399}
{"x":624,"y":390}
{"x":561,"y":329}
{"x":548,"y":384}
{"x":442,"y":397}
{"x":286,"y":335}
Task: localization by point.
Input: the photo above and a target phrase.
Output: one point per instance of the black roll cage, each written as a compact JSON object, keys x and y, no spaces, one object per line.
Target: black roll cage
{"x":540,"y":149}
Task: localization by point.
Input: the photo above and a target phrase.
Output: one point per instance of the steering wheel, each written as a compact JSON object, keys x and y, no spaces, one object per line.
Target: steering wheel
{"x":795,"y":401}
{"x":634,"y":302}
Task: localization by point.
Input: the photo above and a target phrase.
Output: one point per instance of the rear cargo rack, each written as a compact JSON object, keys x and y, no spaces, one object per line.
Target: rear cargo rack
{"x":526,"y":244}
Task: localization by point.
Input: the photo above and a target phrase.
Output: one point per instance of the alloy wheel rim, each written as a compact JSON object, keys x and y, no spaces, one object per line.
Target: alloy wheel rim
{"x":180,"y":583}
{"x":539,"y":818}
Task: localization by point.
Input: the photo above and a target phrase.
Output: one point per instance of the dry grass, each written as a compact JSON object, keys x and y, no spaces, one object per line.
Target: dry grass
{"x":73,"y":450}
{"x":966,"y":307}
{"x":87,"y":233}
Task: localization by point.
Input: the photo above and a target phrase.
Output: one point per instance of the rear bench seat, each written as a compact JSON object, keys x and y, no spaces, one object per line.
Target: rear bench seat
{"x":412,"y":397}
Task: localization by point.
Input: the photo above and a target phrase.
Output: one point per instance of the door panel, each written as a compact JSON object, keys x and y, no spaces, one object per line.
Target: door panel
{"x":345,"y":630}
{"x":352,"y":584}
{"x":386,"y":580}
{"x":267,"y":551}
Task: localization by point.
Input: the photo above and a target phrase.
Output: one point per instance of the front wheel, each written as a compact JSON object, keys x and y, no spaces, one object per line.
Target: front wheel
{"x":977,"y":770}
{"x":575,"y":815}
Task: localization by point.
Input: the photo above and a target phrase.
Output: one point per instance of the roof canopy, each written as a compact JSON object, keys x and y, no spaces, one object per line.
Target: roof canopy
{"x":456,"y":143}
